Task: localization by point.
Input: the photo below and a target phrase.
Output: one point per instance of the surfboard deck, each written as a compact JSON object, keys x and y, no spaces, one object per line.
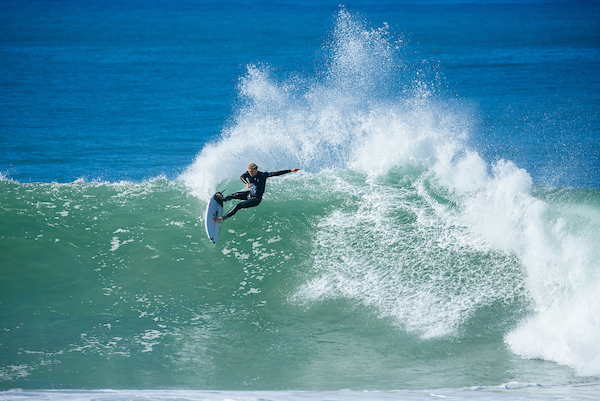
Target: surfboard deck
{"x":214,"y":209}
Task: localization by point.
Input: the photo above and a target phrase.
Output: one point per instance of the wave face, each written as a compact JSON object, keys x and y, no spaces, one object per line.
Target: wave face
{"x":396,"y":250}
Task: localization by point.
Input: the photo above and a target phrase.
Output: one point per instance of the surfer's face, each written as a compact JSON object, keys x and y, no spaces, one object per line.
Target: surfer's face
{"x":253,"y":171}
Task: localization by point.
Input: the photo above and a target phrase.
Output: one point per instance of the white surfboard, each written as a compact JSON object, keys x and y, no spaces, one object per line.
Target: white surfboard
{"x":214,"y":209}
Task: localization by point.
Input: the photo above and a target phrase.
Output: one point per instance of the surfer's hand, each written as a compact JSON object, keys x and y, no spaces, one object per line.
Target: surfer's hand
{"x":294,"y":170}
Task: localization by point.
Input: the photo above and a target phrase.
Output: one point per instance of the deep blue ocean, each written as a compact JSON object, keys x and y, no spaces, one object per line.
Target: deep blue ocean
{"x":440,"y":241}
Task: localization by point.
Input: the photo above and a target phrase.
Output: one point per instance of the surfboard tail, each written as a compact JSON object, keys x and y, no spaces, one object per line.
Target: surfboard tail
{"x":219,"y":198}
{"x":214,"y":209}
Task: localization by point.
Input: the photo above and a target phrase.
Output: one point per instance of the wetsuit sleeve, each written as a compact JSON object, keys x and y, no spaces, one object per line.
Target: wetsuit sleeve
{"x":282,"y":172}
{"x":244,"y":177}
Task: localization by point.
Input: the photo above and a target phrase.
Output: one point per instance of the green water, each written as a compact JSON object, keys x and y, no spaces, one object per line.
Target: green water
{"x":335,"y":281}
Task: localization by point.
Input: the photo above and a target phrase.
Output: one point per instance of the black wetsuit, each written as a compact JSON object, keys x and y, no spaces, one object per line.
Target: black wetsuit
{"x":252,"y":197}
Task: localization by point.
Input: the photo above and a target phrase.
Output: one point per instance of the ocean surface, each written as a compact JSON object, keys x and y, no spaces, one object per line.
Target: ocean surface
{"x":442,"y":239}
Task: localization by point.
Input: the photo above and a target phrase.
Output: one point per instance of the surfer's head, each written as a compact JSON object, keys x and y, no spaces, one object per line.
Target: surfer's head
{"x":252,"y":169}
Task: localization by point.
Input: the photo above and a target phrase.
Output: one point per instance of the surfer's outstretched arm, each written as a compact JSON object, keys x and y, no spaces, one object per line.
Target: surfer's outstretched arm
{"x":248,"y":175}
{"x":282,"y":172}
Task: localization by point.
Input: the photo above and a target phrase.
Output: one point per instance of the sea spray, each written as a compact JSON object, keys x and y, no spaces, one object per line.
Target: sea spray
{"x":366,"y":111}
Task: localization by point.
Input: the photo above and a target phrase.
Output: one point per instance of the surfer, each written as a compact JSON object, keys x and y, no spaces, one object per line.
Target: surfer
{"x":255,"y":180}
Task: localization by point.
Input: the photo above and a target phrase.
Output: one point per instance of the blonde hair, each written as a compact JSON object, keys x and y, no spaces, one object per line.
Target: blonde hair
{"x":252,"y":166}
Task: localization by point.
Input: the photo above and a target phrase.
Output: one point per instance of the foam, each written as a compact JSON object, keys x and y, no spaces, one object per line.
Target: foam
{"x":558,"y":256}
{"x":390,"y":250}
{"x":508,"y":391}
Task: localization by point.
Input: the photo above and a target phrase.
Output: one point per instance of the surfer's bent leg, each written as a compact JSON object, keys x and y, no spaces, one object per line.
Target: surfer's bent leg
{"x":243,"y":205}
{"x":243,"y":195}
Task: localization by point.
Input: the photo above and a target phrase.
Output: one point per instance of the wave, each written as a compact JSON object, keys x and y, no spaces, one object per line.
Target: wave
{"x":427,"y":233}
{"x":395,"y":214}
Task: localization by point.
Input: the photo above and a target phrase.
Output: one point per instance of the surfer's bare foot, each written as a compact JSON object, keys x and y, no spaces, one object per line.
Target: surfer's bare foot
{"x":219,"y":196}
{"x":218,"y":219}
